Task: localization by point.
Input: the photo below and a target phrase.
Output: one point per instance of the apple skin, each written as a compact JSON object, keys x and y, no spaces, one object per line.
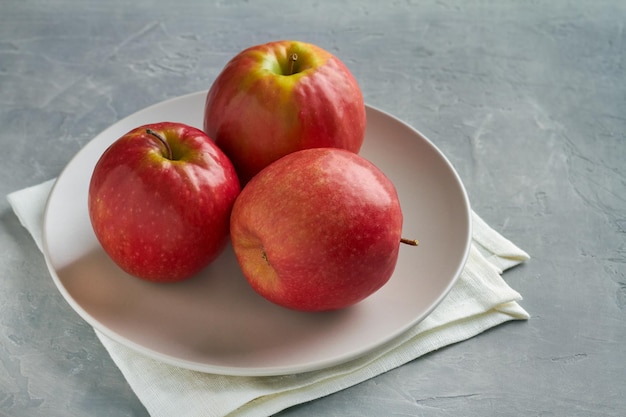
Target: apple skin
{"x":257,"y":110}
{"x":162,"y":219}
{"x":317,"y":230}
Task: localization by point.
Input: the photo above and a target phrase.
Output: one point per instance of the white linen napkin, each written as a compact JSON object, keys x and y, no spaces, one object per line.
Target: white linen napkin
{"x":478,"y":301}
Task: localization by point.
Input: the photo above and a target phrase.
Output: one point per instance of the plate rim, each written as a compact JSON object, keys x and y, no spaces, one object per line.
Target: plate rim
{"x":258,"y":371}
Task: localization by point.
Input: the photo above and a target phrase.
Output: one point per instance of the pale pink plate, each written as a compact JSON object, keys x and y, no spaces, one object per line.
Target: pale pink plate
{"x":215,"y":322}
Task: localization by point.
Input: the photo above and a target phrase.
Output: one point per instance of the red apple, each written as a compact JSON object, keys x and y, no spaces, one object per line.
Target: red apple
{"x":160,"y":199}
{"x":280,"y":97}
{"x":319,"y":229}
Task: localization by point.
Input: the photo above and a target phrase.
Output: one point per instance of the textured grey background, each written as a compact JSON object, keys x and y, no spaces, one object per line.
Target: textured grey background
{"x":527,"y":99}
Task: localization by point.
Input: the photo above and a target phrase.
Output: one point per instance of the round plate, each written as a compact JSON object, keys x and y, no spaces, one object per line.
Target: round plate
{"x":214,"y":322}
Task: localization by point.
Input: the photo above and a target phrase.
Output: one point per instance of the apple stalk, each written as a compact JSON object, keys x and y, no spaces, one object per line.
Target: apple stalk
{"x":292,"y":61}
{"x":411,"y":242}
{"x":151,"y":132}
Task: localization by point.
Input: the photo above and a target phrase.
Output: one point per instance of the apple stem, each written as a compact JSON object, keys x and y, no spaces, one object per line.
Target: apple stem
{"x":292,"y":61}
{"x":163,"y":141}
{"x":412,"y":242}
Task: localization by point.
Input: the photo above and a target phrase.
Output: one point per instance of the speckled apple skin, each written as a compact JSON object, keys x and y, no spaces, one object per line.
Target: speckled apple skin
{"x":159,"y":219}
{"x":257,"y":110}
{"x":317,"y":230}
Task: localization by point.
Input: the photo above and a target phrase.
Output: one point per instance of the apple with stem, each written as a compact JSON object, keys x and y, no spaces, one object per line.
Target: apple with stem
{"x":160,"y":199}
{"x":279,"y":97}
{"x":318,"y":230}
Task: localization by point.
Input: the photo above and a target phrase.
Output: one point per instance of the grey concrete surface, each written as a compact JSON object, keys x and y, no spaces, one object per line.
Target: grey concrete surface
{"x":527,"y":100}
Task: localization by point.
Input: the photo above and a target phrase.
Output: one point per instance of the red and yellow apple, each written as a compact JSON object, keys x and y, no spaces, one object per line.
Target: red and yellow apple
{"x":317,"y":230}
{"x":160,"y":199}
{"x":280,"y":97}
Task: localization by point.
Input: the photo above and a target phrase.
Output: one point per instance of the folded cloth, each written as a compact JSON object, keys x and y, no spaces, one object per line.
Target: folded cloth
{"x":479,"y":300}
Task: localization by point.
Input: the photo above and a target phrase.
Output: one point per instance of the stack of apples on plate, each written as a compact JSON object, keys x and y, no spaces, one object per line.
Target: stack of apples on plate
{"x":276,"y":169}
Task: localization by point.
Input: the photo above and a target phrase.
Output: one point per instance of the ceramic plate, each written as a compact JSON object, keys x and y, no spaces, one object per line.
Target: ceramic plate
{"x":214,"y":322}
